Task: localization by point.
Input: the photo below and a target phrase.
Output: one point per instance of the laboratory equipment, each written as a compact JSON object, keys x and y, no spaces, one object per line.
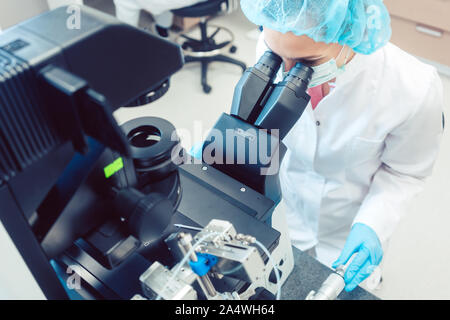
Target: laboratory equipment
{"x":78,"y":191}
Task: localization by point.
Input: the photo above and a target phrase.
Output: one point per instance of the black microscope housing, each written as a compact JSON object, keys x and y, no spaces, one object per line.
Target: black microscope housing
{"x":78,"y":191}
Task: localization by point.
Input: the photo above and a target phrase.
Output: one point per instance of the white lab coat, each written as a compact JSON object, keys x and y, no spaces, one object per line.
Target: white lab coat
{"x":364,"y":152}
{"x":128,"y":10}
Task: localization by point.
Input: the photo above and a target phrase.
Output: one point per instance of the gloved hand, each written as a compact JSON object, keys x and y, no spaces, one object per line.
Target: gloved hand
{"x":363,"y":241}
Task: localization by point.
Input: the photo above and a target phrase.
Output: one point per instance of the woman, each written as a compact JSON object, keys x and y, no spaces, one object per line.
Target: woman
{"x":370,"y":136}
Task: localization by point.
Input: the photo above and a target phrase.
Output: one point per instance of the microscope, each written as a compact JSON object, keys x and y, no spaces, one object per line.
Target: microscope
{"x":126,"y":207}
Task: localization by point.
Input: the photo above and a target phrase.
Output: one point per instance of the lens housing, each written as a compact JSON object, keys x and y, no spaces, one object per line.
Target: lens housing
{"x":153,"y":143}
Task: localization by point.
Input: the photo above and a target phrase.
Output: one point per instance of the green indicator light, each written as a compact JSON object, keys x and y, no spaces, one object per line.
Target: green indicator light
{"x":112,"y":168}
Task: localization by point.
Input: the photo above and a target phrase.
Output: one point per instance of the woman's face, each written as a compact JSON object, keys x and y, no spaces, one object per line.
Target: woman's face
{"x":293,"y":49}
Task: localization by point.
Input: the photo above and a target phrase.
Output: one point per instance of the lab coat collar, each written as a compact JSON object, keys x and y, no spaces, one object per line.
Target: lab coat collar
{"x":352,"y":68}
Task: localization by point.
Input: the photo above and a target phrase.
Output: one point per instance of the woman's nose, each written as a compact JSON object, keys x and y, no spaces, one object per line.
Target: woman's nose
{"x":288,"y":65}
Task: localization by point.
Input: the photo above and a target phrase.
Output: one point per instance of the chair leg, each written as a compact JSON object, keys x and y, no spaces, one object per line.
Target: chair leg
{"x":188,"y":59}
{"x":206,"y":87}
{"x":226,"y":59}
{"x":205,"y":61}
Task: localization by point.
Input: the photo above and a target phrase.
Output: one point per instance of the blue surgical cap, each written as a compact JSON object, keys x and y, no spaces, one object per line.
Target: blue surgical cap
{"x":363,"y":25}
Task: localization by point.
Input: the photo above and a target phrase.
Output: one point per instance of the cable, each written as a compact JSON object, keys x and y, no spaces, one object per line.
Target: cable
{"x":277,"y":273}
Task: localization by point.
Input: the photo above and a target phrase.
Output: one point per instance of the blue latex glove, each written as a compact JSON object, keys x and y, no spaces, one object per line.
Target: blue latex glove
{"x":363,"y":241}
{"x":197,"y":150}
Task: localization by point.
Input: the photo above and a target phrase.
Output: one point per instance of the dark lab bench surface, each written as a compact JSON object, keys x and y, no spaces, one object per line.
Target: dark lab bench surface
{"x":309,"y":274}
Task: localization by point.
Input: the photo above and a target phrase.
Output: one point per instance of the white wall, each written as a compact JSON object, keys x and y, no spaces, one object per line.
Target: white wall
{"x":15,"y":11}
{"x":57,"y":3}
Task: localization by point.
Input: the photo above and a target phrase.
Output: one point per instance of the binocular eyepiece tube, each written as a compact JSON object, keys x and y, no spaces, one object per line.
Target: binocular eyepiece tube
{"x":299,"y":76}
{"x":260,"y":102}
{"x":287,"y":101}
{"x":254,"y":86}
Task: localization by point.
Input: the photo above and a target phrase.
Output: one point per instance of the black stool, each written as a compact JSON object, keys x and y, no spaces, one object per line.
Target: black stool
{"x":206,"y":50}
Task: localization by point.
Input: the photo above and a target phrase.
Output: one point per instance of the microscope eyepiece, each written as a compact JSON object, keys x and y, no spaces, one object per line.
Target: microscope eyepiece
{"x":269,"y":64}
{"x":254,"y":86}
{"x":300,"y":75}
{"x":287,"y":101}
